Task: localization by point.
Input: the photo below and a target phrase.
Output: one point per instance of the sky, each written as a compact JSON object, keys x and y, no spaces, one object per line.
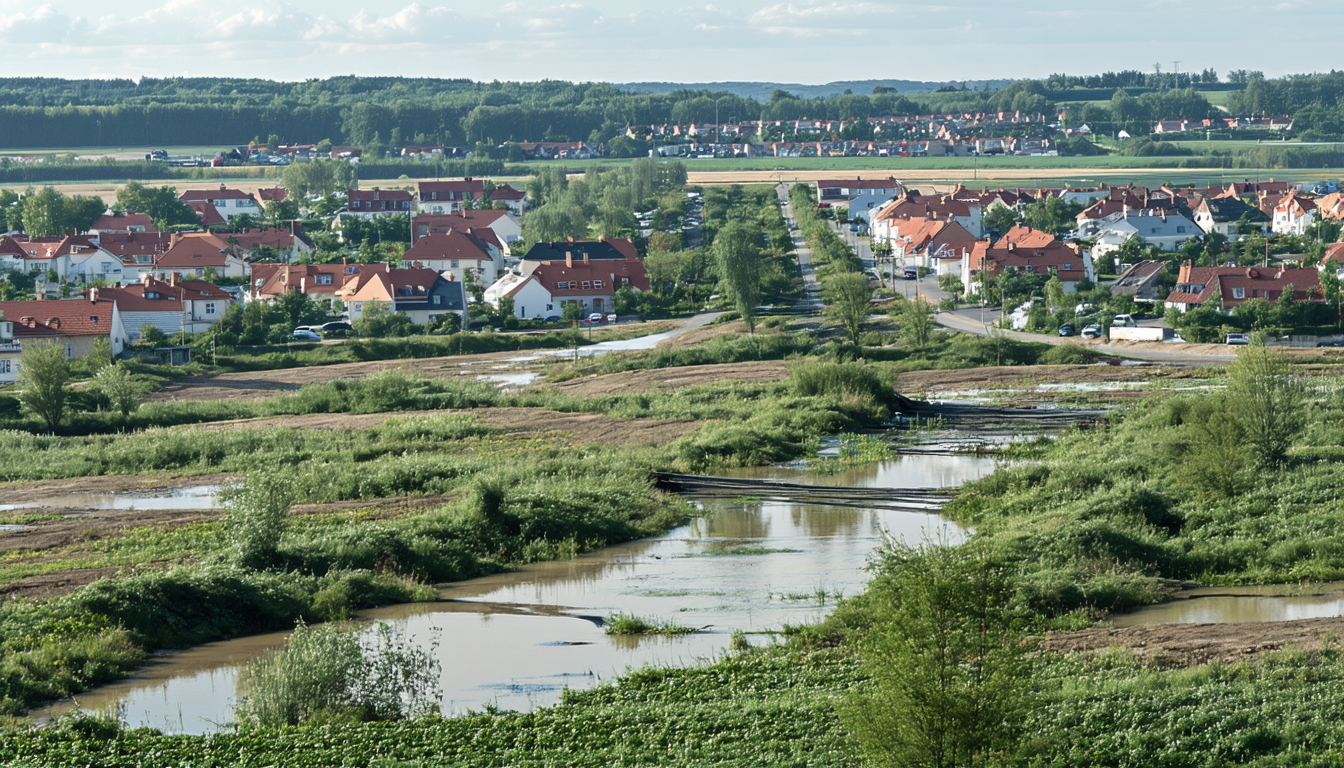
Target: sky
{"x":663,"y":40}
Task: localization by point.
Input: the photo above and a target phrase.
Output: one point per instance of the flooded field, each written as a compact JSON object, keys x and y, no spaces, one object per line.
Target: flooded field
{"x":192,"y":497}
{"x":517,"y":640}
{"x":1243,"y":605}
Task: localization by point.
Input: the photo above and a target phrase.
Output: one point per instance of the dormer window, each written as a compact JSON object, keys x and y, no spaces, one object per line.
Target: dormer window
{"x":152,"y":295}
{"x":1238,"y":293}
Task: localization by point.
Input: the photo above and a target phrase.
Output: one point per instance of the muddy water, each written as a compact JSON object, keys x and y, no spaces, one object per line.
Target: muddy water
{"x":517,"y":640}
{"x":1246,"y":604}
{"x":193,"y":497}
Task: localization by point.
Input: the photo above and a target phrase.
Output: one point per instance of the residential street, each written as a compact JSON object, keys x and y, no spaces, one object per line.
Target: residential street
{"x":968,"y":320}
{"x":811,"y":289}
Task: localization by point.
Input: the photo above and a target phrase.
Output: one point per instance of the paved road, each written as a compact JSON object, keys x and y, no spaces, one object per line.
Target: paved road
{"x":811,"y":288}
{"x":968,"y":321}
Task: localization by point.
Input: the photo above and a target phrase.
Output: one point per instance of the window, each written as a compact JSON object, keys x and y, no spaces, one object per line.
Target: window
{"x":349,"y":270}
{"x":454,"y":264}
{"x":152,"y":295}
{"x":355,"y":205}
{"x":597,"y":284}
{"x":259,"y":281}
{"x":210,"y":308}
{"x":324,"y":279}
{"x":1238,"y":293}
{"x":587,"y":286}
{"x":550,"y":306}
{"x":438,"y":300}
{"x":1067,"y":267}
{"x":107,"y":266}
{"x":5,"y":366}
{"x":1180,"y":229}
{"x":93,"y":318}
{"x":562,"y":285}
{"x":69,"y":353}
{"x":200,"y":273}
{"x":433,"y":195}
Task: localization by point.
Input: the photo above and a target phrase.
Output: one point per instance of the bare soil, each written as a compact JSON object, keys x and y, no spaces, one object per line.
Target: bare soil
{"x":41,"y":490}
{"x":669,"y":379}
{"x":1184,"y":645}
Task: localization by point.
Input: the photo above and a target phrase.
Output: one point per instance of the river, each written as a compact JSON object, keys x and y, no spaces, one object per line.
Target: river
{"x":517,"y":640}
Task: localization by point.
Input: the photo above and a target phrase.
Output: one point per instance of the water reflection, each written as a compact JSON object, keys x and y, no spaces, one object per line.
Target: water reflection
{"x":192,"y":497}
{"x":1232,"y":609}
{"x":517,"y":640}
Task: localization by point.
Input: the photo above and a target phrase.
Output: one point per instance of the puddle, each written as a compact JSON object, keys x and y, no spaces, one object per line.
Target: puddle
{"x":14,"y":528}
{"x":601,"y":348}
{"x":192,"y":497}
{"x":986,"y":396}
{"x":517,"y":640}
{"x":1232,"y":609}
{"x":510,"y":380}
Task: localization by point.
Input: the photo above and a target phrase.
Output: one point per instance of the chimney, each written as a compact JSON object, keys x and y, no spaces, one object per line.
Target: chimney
{"x":569,"y":259}
{"x":172,"y":279}
{"x":93,"y":295}
{"x":585,"y":257}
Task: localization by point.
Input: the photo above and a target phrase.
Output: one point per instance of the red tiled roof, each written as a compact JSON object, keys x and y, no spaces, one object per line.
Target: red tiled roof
{"x":269,"y":194}
{"x":122,"y":222}
{"x":506,"y":192}
{"x":207,"y":213}
{"x":277,"y":279}
{"x":195,"y":251}
{"x":67,"y":317}
{"x":452,"y":245}
{"x":171,"y":295}
{"x":550,"y":273}
{"x":223,"y":193}
{"x":475,"y":186}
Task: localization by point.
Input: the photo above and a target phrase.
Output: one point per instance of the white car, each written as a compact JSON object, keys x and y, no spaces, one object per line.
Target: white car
{"x":1092,"y":332}
{"x":1124,"y":321}
{"x":596,"y":317}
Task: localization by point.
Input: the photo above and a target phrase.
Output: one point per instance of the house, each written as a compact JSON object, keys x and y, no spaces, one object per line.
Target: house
{"x":938,"y":245}
{"x":1293,"y":215}
{"x":460,"y":253}
{"x":1225,"y":215}
{"x":11,"y":350}
{"x":379,"y":202}
{"x":75,"y":324}
{"x":423,"y":295}
{"x":123,"y":222}
{"x":912,"y":205}
{"x":271,"y":195}
{"x":71,"y":257}
{"x":1157,"y":228}
{"x":449,"y":196}
{"x":136,"y":250}
{"x":601,"y":249}
{"x":1230,"y":286}
{"x":190,"y":255}
{"x":513,"y":199}
{"x":228,"y":203}
{"x":1143,"y":281}
{"x":832,"y":190}
{"x":317,"y":281}
{"x":506,"y":227}
{"x":288,"y":243}
{"x":171,"y":306}
{"x":545,"y":287}
{"x":207,"y":214}
{"x":1051,"y":258}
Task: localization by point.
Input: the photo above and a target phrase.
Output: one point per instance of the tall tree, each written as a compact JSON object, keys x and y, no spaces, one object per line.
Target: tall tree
{"x":847,"y":297}
{"x":43,"y":374}
{"x":1270,"y":401}
{"x":737,"y":255}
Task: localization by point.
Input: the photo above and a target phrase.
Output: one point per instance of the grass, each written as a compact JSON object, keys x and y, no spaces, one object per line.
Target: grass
{"x":628,"y":624}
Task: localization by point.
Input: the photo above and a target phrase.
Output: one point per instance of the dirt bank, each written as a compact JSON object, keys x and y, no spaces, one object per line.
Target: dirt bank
{"x":1183,"y":645}
{"x":668,"y":379}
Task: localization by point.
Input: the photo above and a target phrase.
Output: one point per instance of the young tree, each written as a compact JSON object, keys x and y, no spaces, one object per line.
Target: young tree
{"x":738,"y":258}
{"x":947,"y":659}
{"x":571,"y":311}
{"x":258,"y":515}
{"x":916,"y":322}
{"x":847,"y":297}
{"x":1270,"y":401}
{"x":122,"y":392}
{"x":43,"y":373}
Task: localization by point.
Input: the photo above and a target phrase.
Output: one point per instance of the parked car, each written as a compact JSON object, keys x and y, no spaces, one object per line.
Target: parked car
{"x":1066,"y":329}
{"x":336,"y":325}
{"x":1092,"y":332}
{"x":911,"y":273}
{"x":1083,"y":309}
{"x":1239,"y":339}
{"x":304,"y":334}
{"x":595,"y":317}
{"x":1124,"y":321}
